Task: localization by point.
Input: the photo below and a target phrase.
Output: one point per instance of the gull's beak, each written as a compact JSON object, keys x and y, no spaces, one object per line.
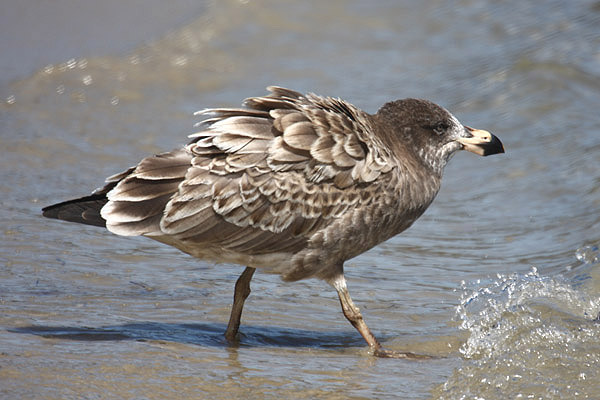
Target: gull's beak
{"x":481,"y":142}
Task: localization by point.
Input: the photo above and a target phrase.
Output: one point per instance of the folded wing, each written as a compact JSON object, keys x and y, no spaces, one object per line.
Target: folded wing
{"x":254,"y":180}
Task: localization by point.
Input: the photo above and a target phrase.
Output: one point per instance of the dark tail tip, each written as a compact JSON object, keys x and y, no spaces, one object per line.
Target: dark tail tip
{"x":85,"y":210}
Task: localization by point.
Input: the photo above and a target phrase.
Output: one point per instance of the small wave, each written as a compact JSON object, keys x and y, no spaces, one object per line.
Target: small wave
{"x":530,"y":335}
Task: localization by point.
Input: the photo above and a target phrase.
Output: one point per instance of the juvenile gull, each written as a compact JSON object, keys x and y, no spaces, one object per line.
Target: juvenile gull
{"x":292,"y":184}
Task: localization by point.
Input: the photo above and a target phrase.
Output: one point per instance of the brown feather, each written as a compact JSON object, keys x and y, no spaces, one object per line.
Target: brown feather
{"x":297,"y":179}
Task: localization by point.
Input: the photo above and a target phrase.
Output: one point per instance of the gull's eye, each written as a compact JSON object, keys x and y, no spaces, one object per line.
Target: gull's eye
{"x":440,"y":128}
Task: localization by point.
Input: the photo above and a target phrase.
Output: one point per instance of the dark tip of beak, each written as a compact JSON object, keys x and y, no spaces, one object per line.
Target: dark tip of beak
{"x":494,"y":146}
{"x":481,"y":142}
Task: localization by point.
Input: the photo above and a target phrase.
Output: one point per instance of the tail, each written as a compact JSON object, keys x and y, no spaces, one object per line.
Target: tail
{"x":148,"y":187}
{"x":85,"y":210}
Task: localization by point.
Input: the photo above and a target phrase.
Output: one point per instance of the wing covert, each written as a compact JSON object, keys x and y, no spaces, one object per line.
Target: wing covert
{"x":258,"y":179}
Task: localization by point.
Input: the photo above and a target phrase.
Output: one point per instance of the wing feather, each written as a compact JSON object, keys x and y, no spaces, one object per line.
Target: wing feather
{"x":256,"y":180}
{"x":137,"y":201}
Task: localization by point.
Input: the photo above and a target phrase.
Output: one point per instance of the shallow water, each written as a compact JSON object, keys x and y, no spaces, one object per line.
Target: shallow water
{"x":498,"y":280}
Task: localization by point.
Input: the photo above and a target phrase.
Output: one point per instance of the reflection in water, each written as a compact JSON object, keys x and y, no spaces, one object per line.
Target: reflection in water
{"x":205,"y":335}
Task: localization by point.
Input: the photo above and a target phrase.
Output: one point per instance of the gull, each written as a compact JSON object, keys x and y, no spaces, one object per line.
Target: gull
{"x":292,"y":184}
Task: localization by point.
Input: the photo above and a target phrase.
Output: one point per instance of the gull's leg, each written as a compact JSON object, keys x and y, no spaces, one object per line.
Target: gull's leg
{"x":352,"y":313}
{"x":242,"y":291}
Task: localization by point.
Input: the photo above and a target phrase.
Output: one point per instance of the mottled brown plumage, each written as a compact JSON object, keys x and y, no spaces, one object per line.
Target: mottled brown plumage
{"x":292,"y":184}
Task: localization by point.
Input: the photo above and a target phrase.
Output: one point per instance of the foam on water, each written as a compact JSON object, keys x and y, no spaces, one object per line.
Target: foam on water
{"x":530,"y":335}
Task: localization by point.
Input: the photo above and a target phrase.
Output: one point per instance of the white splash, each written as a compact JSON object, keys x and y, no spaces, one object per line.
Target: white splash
{"x":530,"y":336}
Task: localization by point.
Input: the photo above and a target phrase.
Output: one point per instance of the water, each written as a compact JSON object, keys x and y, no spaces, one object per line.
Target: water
{"x":498,"y":280}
